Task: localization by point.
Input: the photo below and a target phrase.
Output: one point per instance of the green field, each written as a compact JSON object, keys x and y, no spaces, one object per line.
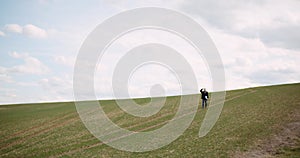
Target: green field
{"x":261,"y":121}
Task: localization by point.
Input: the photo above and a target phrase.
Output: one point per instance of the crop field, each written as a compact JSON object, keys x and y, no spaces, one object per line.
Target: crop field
{"x":255,"y":122}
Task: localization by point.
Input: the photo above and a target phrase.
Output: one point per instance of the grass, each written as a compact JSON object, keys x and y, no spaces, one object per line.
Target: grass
{"x":249,"y":116}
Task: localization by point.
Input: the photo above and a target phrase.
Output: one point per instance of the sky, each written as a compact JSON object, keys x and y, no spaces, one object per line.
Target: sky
{"x":258,"y":42}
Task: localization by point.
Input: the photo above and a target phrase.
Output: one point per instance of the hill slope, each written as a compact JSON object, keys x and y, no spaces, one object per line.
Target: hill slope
{"x":259,"y":121}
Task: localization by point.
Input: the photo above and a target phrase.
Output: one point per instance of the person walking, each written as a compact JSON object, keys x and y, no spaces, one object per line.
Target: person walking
{"x":204,"y":97}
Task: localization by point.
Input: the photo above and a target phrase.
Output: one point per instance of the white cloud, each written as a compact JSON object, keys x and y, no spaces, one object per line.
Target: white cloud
{"x":14,"y":54}
{"x":15,"y":28}
{"x":239,"y":15}
{"x":58,"y":88}
{"x":2,"y":33}
{"x":148,"y":75}
{"x":34,"y":32}
{"x":31,"y":65}
{"x":249,"y":62}
{"x":124,"y":5}
{"x":275,"y":22}
{"x":5,"y":78}
{"x":28,"y":30}
{"x":67,"y":61}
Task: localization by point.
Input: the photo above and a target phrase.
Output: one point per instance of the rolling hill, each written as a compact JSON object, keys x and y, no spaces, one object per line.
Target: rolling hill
{"x":255,"y":122}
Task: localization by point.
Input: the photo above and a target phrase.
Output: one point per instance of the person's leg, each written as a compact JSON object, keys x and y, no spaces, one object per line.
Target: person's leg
{"x":203,"y":102}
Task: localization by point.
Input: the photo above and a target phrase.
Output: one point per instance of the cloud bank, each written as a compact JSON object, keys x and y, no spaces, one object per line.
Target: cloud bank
{"x":258,"y":42}
{"x":28,"y":30}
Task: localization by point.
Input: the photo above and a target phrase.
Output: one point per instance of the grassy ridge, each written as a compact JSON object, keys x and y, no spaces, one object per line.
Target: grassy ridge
{"x":55,"y":130}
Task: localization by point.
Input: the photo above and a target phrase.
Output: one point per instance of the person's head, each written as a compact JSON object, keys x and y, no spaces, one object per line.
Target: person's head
{"x":204,"y":89}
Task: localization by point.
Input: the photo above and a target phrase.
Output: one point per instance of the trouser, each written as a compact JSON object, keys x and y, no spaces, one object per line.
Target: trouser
{"x":204,"y":103}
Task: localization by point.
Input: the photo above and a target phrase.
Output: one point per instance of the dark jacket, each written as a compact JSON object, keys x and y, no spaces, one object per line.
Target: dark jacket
{"x":204,"y":94}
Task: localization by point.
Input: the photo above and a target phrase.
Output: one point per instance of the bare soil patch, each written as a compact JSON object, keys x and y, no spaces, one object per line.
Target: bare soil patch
{"x":287,"y":137}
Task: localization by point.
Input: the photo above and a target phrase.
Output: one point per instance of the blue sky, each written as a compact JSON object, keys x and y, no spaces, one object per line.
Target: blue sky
{"x":39,"y":41}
